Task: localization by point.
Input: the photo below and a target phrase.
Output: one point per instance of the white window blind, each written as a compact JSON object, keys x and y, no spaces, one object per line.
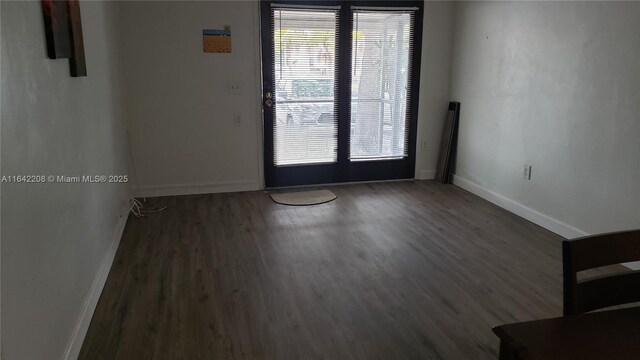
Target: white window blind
{"x":381,"y":57}
{"x":305,"y":125}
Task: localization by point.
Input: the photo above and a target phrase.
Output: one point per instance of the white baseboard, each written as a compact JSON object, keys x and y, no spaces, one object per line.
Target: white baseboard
{"x":565,"y":230}
{"x":538,"y":218}
{"x":426,"y":175}
{"x":91,"y":301}
{"x":195,"y":188}
{"x":632,"y":265}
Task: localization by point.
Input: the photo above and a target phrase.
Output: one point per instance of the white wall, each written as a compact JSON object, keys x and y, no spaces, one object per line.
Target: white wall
{"x":435,"y":79}
{"x":555,"y":85}
{"x":182,"y":116}
{"x":56,"y":236}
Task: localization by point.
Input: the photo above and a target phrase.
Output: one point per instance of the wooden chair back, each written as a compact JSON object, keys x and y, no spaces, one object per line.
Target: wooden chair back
{"x":595,"y":251}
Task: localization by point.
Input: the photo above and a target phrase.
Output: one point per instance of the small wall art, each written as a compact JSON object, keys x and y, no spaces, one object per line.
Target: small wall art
{"x":216,"y":41}
{"x":56,"y":29}
{"x":63,"y":31}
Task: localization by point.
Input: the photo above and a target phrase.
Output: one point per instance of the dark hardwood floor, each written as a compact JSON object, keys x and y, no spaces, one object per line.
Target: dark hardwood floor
{"x":400,"y":270}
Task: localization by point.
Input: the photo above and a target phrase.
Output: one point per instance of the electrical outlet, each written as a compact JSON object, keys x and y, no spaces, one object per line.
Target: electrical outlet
{"x":526,"y":173}
{"x":237,"y":121}
{"x":234,"y":88}
{"x":424,"y":145}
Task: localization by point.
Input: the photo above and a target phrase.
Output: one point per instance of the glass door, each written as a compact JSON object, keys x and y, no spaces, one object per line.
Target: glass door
{"x":379,"y":84}
{"x":337,"y":98}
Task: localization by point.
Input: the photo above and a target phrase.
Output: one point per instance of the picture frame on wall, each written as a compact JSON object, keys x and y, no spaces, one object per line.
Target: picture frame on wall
{"x":63,"y":32}
{"x":56,"y":29}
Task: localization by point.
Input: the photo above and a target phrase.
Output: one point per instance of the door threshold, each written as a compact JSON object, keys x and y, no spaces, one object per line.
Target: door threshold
{"x":337,"y":183}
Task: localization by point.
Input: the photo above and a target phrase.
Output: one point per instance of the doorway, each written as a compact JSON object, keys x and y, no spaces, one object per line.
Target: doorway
{"x":340,"y":90}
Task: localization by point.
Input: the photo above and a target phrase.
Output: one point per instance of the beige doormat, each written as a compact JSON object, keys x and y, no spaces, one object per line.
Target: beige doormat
{"x":303,"y":198}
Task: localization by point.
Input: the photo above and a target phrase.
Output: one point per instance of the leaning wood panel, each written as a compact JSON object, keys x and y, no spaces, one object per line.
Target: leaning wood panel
{"x":448,"y":144}
{"x":445,"y":145}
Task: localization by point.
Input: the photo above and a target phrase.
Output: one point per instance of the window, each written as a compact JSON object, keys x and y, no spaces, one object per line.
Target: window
{"x":306,"y":126}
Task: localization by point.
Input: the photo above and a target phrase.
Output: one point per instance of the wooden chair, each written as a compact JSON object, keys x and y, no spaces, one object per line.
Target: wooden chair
{"x":594,"y":251}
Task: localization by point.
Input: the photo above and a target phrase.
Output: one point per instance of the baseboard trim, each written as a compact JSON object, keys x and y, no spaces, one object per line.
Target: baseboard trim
{"x":91,"y":301}
{"x":632,"y":265}
{"x":195,"y":188}
{"x":565,"y":230}
{"x":538,"y":218}
{"x":427,"y":175}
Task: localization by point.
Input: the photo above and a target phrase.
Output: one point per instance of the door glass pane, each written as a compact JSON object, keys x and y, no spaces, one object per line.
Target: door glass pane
{"x":381,"y":55}
{"x":305,"y":123}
